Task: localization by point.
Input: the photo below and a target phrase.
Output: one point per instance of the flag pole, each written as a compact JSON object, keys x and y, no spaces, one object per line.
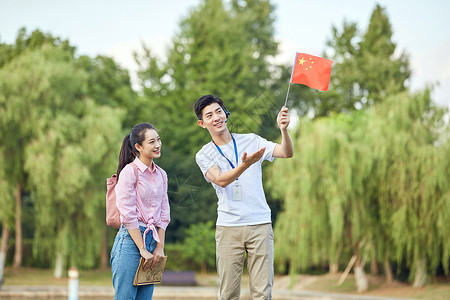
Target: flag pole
{"x":287,"y":95}
{"x":290,"y":80}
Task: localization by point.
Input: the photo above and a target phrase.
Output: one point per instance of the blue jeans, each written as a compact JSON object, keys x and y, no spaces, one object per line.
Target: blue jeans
{"x":125,"y":258}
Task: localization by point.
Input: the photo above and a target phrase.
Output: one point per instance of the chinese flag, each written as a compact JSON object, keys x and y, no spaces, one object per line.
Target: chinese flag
{"x":312,"y":71}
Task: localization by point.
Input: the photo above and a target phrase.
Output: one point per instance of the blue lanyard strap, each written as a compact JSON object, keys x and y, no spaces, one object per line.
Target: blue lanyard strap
{"x":235,"y":152}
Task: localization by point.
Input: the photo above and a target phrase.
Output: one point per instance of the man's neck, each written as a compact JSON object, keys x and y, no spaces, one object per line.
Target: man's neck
{"x":222,"y":138}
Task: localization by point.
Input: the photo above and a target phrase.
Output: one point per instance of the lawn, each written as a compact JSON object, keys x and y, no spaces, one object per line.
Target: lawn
{"x":36,"y":277}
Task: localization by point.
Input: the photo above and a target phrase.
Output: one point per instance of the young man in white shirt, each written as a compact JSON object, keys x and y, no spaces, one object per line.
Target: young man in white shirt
{"x":232,"y":163}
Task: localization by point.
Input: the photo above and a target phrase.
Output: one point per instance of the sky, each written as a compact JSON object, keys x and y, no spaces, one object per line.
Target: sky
{"x":421,"y":28}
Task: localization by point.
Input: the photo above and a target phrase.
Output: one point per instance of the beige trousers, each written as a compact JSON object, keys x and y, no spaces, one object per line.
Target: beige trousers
{"x":232,"y":243}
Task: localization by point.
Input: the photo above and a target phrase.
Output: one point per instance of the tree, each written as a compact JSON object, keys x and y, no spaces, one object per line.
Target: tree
{"x":324,"y":218}
{"x":97,"y":83}
{"x":6,"y":213}
{"x":416,"y":187}
{"x":200,"y":245}
{"x":366,"y":68}
{"x":109,"y":85}
{"x":368,"y":184}
{"x":26,"y":42}
{"x":63,"y":157}
{"x":64,"y":96}
{"x":15,"y":135}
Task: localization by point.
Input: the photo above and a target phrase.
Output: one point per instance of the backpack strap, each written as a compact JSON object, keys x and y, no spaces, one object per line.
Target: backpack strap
{"x":136,"y":173}
{"x":164,"y":178}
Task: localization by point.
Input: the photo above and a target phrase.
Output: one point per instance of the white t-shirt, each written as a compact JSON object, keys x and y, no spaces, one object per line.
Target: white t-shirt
{"x":252,"y":209}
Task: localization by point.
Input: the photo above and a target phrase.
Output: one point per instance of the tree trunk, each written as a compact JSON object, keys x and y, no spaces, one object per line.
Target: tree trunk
{"x":347,"y":270}
{"x":388,"y":271}
{"x":334,"y":268}
{"x":104,"y":251}
{"x":421,"y":273}
{"x":3,"y":249}
{"x":18,"y":246}
{"x":58,"y":266}
{"x":334,"y":265}
{"x":374,"y":269}
{"x":360,"y":277}
{"x":204,"y":267}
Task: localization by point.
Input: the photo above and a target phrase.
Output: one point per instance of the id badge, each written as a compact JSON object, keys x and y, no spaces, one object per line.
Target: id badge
{"x":237,"y":192}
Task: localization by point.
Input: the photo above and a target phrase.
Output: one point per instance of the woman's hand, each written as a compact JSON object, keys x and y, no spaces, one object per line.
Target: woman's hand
{"x":148,"y":258}
{"x":158,"y":255}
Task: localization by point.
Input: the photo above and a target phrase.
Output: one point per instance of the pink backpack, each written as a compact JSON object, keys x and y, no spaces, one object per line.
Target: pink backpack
{"x":112,"y":213}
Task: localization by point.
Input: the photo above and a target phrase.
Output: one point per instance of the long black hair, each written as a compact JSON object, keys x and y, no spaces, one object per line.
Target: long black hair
{"x":128,"y":152}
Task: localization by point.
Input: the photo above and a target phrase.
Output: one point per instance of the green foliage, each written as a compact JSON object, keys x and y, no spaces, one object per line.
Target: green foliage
{"x":6,"y":195}
{"x":15,"y":107}
{"x":367,"y":68}
{"x":196,"y":252}
{"x":35,"y":40}
{"x":109,"y":85}
{"x":369,"y":183}
{"x":199,"y":244}
{"x":421,"y":193}
{"x":61,"y":142}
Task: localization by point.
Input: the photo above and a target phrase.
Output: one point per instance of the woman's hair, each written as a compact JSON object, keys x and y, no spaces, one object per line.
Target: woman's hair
{"x":203,"y":102}
{"x":128,"y":152}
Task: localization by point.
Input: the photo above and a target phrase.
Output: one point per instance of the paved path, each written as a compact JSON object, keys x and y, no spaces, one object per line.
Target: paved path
{"x":166,"y":293}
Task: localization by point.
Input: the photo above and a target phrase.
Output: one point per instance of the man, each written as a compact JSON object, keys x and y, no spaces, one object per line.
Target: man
{"x":232,"y":163}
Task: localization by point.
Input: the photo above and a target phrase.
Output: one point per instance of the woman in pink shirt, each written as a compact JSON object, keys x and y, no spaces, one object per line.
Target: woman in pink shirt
{"x":141,"y":197}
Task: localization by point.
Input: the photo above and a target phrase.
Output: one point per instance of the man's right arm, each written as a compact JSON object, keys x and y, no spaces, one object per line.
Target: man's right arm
{"x":223,"y":179}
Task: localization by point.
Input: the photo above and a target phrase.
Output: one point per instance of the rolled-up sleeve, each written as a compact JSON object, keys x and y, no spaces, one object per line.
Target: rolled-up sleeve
{"x":270,"y":146}
{"x":126,"y":198}
{"x":204,"y":162}
{"x":164,"y":220}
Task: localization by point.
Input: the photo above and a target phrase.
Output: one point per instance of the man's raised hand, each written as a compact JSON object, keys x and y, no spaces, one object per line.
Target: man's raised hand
{"x":283,"y":118}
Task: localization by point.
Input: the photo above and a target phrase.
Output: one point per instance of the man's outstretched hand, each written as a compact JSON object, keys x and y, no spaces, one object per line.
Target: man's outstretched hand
{"x":251,"y":159}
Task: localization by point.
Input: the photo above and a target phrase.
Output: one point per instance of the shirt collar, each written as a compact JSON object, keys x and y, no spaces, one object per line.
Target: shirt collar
{"x":142,"y":167}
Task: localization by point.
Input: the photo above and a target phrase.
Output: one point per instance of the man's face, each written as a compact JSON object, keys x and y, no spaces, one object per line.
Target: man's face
{"x":213,"y":118}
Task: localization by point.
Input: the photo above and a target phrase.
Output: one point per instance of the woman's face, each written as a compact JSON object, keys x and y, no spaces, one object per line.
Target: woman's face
{"x":151,"y":145}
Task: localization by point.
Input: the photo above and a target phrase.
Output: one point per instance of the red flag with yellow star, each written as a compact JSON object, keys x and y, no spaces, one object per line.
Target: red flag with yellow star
{"x":312,"y":71}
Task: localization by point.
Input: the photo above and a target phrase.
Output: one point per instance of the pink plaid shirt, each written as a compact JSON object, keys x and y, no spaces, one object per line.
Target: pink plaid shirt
{"x":153,"y":209}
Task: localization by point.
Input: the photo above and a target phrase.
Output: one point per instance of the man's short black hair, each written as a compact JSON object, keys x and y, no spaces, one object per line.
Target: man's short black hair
{"x":203,"y":102}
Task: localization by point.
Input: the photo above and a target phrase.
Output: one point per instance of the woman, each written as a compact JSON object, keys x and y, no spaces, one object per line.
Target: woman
{"x":141,"y":197}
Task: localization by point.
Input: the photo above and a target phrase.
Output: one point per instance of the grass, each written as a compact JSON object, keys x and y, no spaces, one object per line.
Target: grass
{"x":323,"y":283}
{"x":36,"y":277}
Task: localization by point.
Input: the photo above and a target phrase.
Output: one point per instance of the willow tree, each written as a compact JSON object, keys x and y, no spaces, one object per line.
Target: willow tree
{"x":368,"y":66}
{"x":14,"y":132}
{"x":417,"y":142}
{"x":6,"y":213}
{"x":66,"y":147}
{"x":326,"y":215}
{"x":371,"y":184}
{"x":100,"y":79}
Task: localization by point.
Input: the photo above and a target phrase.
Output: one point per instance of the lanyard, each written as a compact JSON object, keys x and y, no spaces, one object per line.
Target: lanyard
{"x":235,"y":152}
